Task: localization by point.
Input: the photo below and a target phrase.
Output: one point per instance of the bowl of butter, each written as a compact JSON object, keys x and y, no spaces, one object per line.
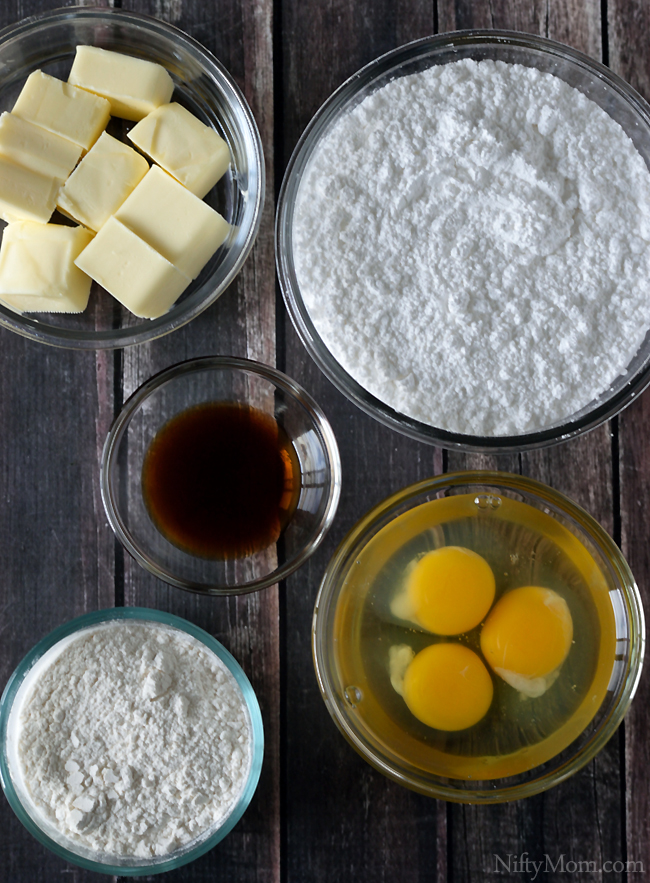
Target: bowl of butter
{"x":131,"y":178}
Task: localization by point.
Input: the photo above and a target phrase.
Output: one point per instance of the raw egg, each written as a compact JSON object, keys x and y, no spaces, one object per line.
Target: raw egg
{"x":449,"y":591}
{"x":446,"y":686}
{"x":527,"y":637}
{"x":400,"y":656}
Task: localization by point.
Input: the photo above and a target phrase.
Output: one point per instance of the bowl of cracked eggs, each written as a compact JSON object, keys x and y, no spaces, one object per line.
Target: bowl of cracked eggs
{"x":462,"y":241}
{"x":131,"y":178}
{"x":478,"y":637}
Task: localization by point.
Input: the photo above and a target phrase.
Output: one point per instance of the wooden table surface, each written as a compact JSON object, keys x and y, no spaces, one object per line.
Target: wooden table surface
{"x":320,"y":813}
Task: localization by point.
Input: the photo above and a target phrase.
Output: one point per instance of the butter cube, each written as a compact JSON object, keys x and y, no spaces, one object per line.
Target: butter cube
{"x":101,"y":182}
{"x":133,"y":86}
{"x":63,"y":109}
{"x":37,"y":271}
{"x":37,"y":149}
{"x":179,"y":225}
{"x":190,"y":151}
{"x":136,"y":275}
{"x":25,"y":194}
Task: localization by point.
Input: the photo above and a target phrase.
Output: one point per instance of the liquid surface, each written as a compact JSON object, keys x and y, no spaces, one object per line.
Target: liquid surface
{"x":221,"y":480}
{"x":519,"y":728}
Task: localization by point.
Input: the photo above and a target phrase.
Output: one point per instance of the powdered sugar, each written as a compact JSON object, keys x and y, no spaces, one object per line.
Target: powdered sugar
{"x":131,"y":739}
{"x":472,"y":243}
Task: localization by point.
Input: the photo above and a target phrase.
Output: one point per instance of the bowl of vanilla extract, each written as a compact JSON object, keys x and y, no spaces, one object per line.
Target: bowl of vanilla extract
{"x":220,"y":475}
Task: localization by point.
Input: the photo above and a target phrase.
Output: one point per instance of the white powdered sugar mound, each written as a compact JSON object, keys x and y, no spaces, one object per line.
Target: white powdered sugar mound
{"x":472,"y":244}
{"x":131,"y":739}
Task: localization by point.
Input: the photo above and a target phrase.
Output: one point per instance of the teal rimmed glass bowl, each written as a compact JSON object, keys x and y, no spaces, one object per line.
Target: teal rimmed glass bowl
{"x":123,"y":865}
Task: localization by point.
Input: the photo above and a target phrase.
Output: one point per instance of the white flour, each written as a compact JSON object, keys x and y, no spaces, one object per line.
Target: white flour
{"x":472,"y":245}
{"x":133,"y":741}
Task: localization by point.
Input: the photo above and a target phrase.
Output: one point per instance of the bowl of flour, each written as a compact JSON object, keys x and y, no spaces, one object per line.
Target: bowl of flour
{"x":132,"y":741}
{"x":463,"y":241}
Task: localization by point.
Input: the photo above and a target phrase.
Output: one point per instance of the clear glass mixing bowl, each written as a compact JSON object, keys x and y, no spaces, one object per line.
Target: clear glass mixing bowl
{"x":220,"y":379}
{"x":48,"y":42}
{"x":596,"y":81}
{"x":363,"y":705}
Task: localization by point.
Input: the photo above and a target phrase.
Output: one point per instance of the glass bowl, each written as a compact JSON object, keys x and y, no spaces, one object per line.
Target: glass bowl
{"x":63,"y":847}
{"x":204,"y":87}
{"x":597,"y":82}
{"x":530,"y":535}
{"x":209,"y":380}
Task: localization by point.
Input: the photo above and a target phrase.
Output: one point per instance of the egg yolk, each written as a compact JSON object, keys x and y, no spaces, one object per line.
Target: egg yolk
{"x":450,"y":590}
{"x":527,"y":637}
{"x":446,"y":686}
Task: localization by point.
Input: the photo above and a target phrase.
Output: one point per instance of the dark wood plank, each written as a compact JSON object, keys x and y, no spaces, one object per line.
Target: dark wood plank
{"x":57,"y":552}
{"x":456,"y":15}
{"x":241,"y":37}
{"x":241,"y":323}
{"x":341,"y":819}
{"x":565,"y":820}
{"x":344,"y":820}
{"x":578,"y":24}
{"x":635,"y":497}
{"x":629,"y":56}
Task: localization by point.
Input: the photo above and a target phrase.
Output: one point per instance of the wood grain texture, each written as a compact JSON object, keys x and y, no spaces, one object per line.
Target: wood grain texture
{"x":320,"y":813}
{"x":456,"y":15}
{"x":241,"y":323}
{"x":58,"y":553}
{"x":240,"y":35}
{"x":629,"y":56}
{"x":628,"y":25}
{"x":344,"y":821}
{"x":635,"y":498}
{"x":565,"y":820}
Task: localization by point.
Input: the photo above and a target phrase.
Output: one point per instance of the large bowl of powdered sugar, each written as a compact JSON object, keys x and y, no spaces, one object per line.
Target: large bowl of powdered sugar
{"x":131,"y":741}
{"x":463,"y":241}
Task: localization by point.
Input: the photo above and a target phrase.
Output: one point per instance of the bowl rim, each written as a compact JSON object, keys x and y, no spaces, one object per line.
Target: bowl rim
{"x":337,"y":103}
{"x":367,"y":528}
{"x":152,"y":329}
{"x":321,"y":425}
{"x":142,"y":614}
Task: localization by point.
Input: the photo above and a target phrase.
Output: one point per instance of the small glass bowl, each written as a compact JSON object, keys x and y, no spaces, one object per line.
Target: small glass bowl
{"x":48,"y":42}
{"x":220,"y":379}
{"x":129,"y":867}
{"x":595,"y":80}
{"x":348,"y":601}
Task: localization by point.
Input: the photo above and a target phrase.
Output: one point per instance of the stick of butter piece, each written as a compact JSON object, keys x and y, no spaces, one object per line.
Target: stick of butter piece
{"x":101,"y":182}
{"x":37,"y":271}
{"x":26,"y":195}
{"x":179,"y":225}
{"x":186,"y":148}
{"x":63,"y":109}
{"x":133,"y":272}
{"x":133,"y":86}
{"x":37,"y":149}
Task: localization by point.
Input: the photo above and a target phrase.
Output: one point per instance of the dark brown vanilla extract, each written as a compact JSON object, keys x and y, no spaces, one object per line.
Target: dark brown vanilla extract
{"x":221,"y":480}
